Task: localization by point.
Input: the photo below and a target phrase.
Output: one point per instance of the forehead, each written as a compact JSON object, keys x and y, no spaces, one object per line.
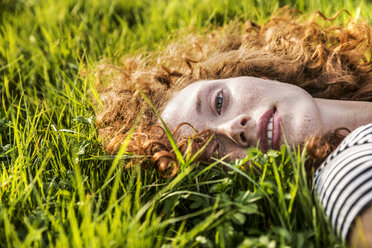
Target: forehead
{"x":183,"y":104}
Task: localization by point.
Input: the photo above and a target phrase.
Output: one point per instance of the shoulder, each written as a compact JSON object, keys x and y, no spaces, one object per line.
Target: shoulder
{"x":353,"y":144}
{"x":343,"y":183}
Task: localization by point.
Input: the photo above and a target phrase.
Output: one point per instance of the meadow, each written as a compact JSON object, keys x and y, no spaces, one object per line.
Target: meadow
{"x":58,"y":188}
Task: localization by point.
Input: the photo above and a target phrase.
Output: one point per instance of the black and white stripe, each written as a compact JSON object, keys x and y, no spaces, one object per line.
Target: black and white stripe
{"x":344,"y":181}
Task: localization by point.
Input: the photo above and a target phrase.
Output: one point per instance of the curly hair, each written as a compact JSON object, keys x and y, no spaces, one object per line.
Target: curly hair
{"x":327,"y":60}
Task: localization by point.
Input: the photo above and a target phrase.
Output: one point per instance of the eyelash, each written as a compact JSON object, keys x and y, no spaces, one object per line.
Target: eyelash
{"x":219,"y":102}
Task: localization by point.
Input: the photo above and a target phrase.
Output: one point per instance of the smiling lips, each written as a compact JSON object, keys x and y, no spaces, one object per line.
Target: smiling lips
{"x":268,"y":131}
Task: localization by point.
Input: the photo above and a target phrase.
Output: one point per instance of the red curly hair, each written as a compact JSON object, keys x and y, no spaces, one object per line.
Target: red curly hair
{"x":327,"y":60}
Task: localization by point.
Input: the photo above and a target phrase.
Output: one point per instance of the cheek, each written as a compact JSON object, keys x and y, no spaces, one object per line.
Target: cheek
{"x":238,"y":154}
{"x":249,"y":101}
{"x":234,"y":152}
{"x":227,"y":147}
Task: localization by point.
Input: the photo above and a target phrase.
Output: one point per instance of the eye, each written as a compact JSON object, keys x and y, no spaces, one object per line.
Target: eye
{"x":215,"y":149}
{"x":219,"y":102}
{"x":211,"y":151}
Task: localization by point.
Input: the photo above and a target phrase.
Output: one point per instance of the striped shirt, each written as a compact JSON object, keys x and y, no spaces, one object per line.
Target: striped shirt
{"x":344,"y":181}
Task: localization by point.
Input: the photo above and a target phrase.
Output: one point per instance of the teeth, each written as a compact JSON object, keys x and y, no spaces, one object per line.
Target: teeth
{"x":270,"y":134}
{"x":270,"y":126}
{"x":270,"y":131}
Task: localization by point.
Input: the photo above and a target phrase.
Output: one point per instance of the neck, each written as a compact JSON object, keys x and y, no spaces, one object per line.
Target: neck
{"x":347,"y":114}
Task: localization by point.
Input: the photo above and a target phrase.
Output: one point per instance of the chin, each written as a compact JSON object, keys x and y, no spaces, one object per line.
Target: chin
{"x":302,"y":132}
{"x":305,"y":135}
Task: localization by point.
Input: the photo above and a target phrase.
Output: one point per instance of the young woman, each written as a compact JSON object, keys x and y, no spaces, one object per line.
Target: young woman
{"x":289,"y":80}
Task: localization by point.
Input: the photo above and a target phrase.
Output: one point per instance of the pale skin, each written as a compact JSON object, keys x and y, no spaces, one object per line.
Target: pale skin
{"x":247,"y":111}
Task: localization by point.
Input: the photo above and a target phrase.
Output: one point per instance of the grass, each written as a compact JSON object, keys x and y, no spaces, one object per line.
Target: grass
{"x":59,"y":189}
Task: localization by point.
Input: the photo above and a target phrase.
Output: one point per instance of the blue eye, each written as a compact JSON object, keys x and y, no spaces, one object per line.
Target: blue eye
{"x":219,"y":102}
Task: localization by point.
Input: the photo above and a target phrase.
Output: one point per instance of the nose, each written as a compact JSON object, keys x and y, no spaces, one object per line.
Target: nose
{"x":236,"y":129}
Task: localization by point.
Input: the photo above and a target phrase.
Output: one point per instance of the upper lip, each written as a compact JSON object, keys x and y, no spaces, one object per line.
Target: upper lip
{"x":261,"y":133}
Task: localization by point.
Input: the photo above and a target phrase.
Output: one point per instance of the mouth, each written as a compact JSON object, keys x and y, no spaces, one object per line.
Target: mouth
{"x":268,"y":131}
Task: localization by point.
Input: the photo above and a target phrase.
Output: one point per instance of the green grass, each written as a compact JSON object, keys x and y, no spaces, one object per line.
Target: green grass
{"x":57,"y":186}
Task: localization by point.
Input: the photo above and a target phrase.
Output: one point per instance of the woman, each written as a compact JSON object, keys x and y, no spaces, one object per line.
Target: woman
{"x":289,"y":80}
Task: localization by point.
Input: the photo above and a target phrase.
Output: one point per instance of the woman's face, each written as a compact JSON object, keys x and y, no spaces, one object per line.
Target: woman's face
{"x":244,"y":112}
